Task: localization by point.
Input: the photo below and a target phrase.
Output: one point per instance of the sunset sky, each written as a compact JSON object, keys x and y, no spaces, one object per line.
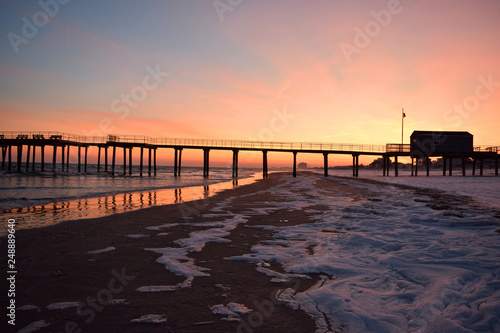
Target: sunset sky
{"x":282,"y":70}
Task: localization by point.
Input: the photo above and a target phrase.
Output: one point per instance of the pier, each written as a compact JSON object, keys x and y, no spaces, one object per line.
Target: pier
{"x":63,"y":142}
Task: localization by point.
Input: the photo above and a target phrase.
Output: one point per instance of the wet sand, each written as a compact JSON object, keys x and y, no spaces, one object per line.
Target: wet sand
{"x":54,"y":266}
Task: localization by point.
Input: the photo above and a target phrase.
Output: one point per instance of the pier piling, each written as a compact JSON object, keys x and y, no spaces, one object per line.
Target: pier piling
{"x":130,"y":162}
{"x":124,"y":161}
{"x":86,"y":155}
{"x":113,"y":161}
{"x":98,"y":159}
{"x":54,"y":158}
{"x":149,"y":164}
{"x":295,"y":164}
{"x":33,"y":159}
{"x":141,"y":163}
{"x":265,"y":173}
{"x":206,"y":162}
{"x":79,"y":159}
{"x":235,"y":163}
{"x":325,"y":163}
{"x":396,"y":166}
{"x":28,"y":158}
{"x":43,"y":159}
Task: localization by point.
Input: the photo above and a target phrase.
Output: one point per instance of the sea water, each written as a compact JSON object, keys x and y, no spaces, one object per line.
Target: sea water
{"x":39,"y":199}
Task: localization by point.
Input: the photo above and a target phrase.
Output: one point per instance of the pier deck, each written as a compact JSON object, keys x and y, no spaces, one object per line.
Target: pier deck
{"x":63,"y":142}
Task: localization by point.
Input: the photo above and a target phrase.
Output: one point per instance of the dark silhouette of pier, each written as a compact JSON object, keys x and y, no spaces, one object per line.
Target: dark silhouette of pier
{"x":63,"y":142}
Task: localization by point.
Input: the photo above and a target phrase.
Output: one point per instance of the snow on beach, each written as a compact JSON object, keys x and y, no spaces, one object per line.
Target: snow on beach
{"x":387,"y":262}
{"x":483,"y":189}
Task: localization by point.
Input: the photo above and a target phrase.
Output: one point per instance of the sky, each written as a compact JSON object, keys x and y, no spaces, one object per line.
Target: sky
{"x":283,"y":70}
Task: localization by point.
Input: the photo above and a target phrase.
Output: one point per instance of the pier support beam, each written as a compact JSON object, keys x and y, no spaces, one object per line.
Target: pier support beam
{"x":427,"y":165}
{"x":496,"y":165}
{"x":265,"y":173}
{"x":43,"y":159}
{"x":86,"y":155}
{"x":10,"y":158}
{"x":62,"y":158}
{"x":67,"y":158}
{"x":464,"y":159}
{"x":98,"y":159}
{"x":451,"y":166}
{"x":235,"y":163}
{"x":383,"y":166}
{"x":4,"y":154}
{"x":355,"y":165}
{"x":412,"y":172}
{"x":473,"y":166}
{"x":149,"y":164}
{"x":388,"y":165}
{"x":28,"y":158}
{"x":113,"y":161}
{"x":325,"y":164}
{"x":396,"y":166}
{"x":106,"y":159}
{"x":130,"y":161}
{"x":206,"y":163}
{"x":481,"y":166}
{"x":295,"y":164}
{"x":444,"y":165}
{"x":54,"y":157}
{"x":33,"y":159}
{"x":19,"y":157}
{"x":79,"y":159}
{"x":154,"y":161}
{"x":416,"y":166}
{"x":179,"y":163}
{"x":124,"y":161}
{"x":141,"y":163}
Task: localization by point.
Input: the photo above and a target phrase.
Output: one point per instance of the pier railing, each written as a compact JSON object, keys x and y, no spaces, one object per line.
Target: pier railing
{"x":45,"y":135}
{"x":218,"y":143}
{"x":242,"y":144}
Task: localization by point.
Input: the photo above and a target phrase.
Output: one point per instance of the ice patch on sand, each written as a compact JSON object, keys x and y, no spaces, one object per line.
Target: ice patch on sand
{"x":233,"y":311}
{"x":137,"y":236}
{"x":176,"y":259}
{"x":117,"y":301}
{"x":29,"y":307}
{"x":150,"y":318}
{"x":33,"y":327}
{"x":163,"y":226}
{"x":62,"y":305}
{"x":108,"y":249}
{"x":186,"y":284}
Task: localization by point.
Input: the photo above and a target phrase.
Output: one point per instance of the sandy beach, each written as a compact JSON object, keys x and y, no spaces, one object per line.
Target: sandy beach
{"x":228,"y":263}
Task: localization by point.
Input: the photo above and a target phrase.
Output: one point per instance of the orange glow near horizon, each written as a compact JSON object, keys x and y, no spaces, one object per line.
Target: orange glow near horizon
{"x":265,"y":72}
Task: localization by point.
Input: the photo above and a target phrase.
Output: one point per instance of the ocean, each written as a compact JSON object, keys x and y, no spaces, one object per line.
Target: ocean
{"x":40,"y":199}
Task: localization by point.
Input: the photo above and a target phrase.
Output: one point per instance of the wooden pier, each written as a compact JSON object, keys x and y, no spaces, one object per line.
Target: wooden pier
{"x":62,"y":142}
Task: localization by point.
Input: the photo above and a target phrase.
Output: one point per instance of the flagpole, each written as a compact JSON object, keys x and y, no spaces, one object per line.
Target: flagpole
{"x":402,"y":125}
